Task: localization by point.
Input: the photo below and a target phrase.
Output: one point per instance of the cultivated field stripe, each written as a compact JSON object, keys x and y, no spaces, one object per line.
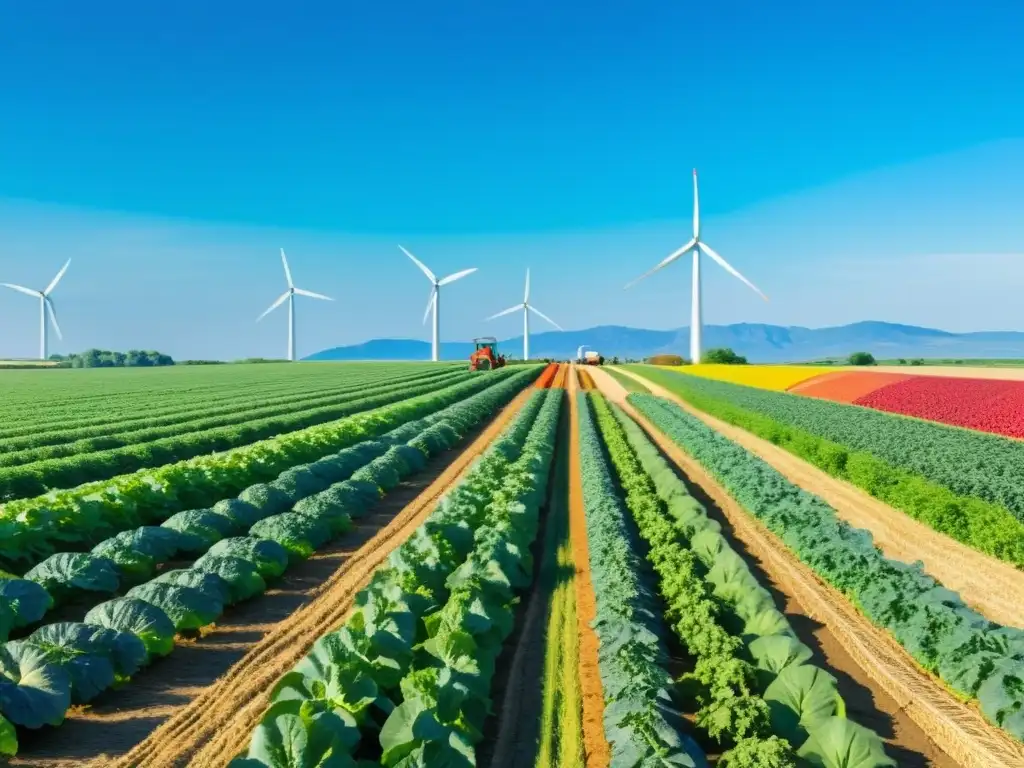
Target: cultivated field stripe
{"x":217,"y":724}
{"x":958,"y":729}
{"x":596,"y":749}
{"x":990,"y":586}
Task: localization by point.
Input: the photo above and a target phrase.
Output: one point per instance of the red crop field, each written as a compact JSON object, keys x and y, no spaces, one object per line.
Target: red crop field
{"x":984,"y":404}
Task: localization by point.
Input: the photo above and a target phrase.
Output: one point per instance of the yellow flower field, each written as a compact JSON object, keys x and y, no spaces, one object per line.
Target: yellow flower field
{"x":777,"y":377}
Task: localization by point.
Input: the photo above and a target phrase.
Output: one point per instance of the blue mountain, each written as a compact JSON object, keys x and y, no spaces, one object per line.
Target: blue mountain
{"x":759,"y":343}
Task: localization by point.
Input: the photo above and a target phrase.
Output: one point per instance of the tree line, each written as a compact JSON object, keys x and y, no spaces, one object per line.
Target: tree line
{"x":105,"y":358}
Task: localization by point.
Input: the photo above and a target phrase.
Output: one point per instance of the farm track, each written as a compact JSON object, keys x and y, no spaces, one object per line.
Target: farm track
{"x":511,"y":739}
{"x":927,"y":723}
{"x":210,"y":725}
{"x":595,"y":746}
{"x":992,"y":587}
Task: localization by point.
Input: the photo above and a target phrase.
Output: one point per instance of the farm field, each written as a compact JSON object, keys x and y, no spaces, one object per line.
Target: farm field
{"x":978,"y":398}
{"x":533,"y":566}
{"x":775,"y":377}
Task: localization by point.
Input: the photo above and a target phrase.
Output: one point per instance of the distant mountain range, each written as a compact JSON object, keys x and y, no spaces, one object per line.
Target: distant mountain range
{"x":759,"y":343}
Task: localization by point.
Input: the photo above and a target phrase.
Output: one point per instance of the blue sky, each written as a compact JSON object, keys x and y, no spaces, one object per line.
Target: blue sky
{"x":859,"y":162}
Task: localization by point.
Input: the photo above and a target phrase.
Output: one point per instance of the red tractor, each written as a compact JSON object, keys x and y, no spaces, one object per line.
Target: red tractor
{"x":485,"y":355}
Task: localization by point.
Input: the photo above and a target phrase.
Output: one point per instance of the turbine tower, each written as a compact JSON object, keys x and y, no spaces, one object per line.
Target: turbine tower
{"x":435,"y":299}
{"x":697,"y":245}
{"x":289,"y":295}
{"x":527,"y":308}
{"x":45,"y":305}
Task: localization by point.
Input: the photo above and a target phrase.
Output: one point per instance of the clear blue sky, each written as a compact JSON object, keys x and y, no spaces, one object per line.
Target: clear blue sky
{"x":173,"y":148}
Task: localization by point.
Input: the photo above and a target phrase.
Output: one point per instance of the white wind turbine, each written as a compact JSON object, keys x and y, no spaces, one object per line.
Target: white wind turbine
{"x":289,"y":295}
{"x":45,"y":305}
{"x":435,"y":299}
{"x":527,"y":308}
{"x":697,"y":245}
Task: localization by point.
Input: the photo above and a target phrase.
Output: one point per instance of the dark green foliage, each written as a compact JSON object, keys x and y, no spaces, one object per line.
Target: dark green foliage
{"x":723,"y":356}
{"x":963,"y":486}
{"x":930,"y":621}
{"x":861,"y":358}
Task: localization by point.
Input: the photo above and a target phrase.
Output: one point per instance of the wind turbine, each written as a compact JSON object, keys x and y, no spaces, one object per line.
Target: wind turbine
{"x":435,"y":299}
{"x":45,"y":305}
{"x":527,"y":308}
{"x":697,"y":245}
{"x":290,"y":296}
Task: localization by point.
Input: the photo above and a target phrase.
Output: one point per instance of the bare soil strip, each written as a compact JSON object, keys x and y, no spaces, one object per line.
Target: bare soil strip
{"x":518,"y":727}
{"x":208,"y":724}
{"x":899,"y":687}
{"x":595,"y":746}
{"x":990,"y":586}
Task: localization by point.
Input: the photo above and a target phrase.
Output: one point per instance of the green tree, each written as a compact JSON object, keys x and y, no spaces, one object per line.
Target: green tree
{"x":723,"y":356}
{"x":862,"y":358}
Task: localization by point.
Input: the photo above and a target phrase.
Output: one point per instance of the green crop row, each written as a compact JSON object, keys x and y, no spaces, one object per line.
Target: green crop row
{"x":641,"y":719}
{"x":31,"y":529}
{"x":132,"y":557}
{"x":976,"y":658}
{"x":79,"y":393}
{"x":412,"y":665}
{"x":964,"y":484}
{"x":72,"y":662}
{"x":191,"y":416}
{"x":752,"y":679}
{"x":38,"y":477}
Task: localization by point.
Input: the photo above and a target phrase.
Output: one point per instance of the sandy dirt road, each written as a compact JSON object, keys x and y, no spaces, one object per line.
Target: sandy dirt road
{"x":990,"y":586}
{"x":940,"y":728}
{"x":215,"y":723}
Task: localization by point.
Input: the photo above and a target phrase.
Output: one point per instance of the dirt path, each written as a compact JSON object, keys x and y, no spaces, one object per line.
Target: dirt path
{"x":205,"y":723}
{"x":990,"y":586}
{"x":596,"y":749}
{"x":926,"y":725}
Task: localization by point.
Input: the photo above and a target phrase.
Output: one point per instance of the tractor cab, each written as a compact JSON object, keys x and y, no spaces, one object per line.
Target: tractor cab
{"x":485,"y":355}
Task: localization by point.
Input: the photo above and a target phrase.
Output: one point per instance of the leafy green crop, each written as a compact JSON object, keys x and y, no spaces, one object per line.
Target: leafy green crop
{"x":751,"y":678}
{"x":414,"y":661}
{"x":232,"y":569}
{"x":964,"y":485}
{"x":30,"y":529}
{"x":640,"y":717}
{"x":975,"y":657}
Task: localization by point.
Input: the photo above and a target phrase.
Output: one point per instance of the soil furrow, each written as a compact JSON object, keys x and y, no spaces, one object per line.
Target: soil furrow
{"x":596,"y":749}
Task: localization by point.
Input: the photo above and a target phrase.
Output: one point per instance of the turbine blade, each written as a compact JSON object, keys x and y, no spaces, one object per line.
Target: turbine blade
{"x":508,"y":311}
{"x":430,"y":303}
{"x":304,"y":292}
{"x":664,"y":262}
{"x":729,"y":268}
{"x":420,"y":264}
{"x":23,"y":289}
{"x":457,"y":276}
{"x":526,"y":296}
{"x":53,"y":283}
{"x":53,"y":316}
{"x":275,"y":305}
{"x":287,"y":272}
{"x":541,"y":314}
